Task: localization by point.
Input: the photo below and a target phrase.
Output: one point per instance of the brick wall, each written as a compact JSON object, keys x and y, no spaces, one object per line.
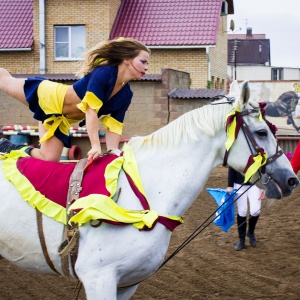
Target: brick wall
{"x":218,"y":57}
{"x":193,"y":61}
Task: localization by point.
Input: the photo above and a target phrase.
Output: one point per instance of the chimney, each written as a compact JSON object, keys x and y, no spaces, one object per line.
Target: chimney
{"x":249,"y":32}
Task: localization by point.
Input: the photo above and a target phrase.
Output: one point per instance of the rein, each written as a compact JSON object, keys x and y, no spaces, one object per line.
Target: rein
{"x":196,"y":232}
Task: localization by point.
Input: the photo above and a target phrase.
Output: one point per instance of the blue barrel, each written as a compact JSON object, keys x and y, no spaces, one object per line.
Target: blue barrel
{"x":19,"y":139}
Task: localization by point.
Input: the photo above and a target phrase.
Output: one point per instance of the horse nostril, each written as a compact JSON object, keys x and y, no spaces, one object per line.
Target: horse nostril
{"x":293,"y":182}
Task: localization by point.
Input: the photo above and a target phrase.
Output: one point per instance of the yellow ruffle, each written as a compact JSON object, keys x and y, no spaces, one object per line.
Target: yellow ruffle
{"x":111,"y":174}
{"x":259,"y":161}
{"x":112,"y":124}
{"x":26,"y":189}
{"x":95,"y":206}
{"x":90,"y":100}
{"x":131,"y":168}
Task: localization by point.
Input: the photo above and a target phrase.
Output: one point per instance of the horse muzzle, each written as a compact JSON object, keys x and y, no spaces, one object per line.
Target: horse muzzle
{"x":277,"y":188}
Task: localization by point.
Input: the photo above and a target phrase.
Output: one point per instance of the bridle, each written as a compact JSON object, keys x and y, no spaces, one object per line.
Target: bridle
{"x":253,"y":146}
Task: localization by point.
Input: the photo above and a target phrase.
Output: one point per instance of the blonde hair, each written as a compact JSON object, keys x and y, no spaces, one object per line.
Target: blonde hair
{"x":110,"y":53}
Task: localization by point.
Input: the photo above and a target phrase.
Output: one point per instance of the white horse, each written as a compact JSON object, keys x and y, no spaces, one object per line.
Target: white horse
{"x":174,"y":164}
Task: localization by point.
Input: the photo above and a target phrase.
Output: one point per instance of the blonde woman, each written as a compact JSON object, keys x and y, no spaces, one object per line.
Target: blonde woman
{"x":102,"y":92}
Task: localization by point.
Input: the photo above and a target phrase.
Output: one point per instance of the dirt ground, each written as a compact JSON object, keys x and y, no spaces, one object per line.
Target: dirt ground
{"x":208,"y":268}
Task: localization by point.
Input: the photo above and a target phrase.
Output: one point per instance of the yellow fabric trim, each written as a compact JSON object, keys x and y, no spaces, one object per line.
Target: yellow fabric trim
{"x":98,"y":61}
{"x":111,"y":174}
{"x":52,"y":123}
{"x":93,"y":207}
{"x":112,"y":124}
{"x":26,"y":189}
{"x":96,"y":206}
{"x":131,"y":168}
{"x":259,"y":161}
{"x":230,"y":131}
{"x":90,"y":100}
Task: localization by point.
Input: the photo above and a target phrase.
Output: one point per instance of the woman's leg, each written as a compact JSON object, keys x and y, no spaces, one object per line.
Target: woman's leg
{"x":254,"y":194}
{"x":255,"y":205}
{"x":242,"y":202}
{"x":242,"y":207}
{"x":50,"y":150}
{"x":13,"y":87}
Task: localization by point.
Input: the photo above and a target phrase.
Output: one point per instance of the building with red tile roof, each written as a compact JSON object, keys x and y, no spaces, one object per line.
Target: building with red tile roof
{"x":169,"y":23}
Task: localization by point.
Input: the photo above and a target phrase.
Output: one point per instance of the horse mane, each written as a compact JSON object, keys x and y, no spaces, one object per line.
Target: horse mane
{"x":208,"y":119}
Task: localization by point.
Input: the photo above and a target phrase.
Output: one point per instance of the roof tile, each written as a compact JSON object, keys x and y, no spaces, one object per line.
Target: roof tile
{"x":169,"y":22}
{"x":16,"y":24}
{"x":195,"y":93}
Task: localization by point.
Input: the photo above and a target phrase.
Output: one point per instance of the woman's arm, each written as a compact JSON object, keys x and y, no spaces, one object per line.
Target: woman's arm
{"x":112,"y":140}
{"x":92,"y":126}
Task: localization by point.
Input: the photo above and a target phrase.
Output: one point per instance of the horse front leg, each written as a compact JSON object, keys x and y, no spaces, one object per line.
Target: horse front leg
{"x":126,"y":293}
{"x":99,"y":285}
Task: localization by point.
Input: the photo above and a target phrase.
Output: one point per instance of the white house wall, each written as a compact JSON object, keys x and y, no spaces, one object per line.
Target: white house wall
{"x":261,"y":73}
{"x":250,"y":72}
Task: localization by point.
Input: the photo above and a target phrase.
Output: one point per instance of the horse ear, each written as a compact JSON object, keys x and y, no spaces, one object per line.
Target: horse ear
{"x":245,"y":93}
{"x":234,"y":88}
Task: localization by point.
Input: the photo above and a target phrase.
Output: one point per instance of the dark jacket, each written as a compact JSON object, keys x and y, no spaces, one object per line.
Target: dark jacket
{"x":235,"y":177}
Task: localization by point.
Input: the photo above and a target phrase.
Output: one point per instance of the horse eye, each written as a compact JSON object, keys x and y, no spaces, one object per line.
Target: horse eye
{"x":262,"y":133}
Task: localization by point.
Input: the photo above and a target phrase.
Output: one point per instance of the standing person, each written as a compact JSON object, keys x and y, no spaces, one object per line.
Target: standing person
{"x":295,"y":161}
{"x":102,"y":93}
{"x":254,"y":196}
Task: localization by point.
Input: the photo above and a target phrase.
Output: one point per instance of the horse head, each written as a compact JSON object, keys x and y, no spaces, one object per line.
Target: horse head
{"x":249,"y":132}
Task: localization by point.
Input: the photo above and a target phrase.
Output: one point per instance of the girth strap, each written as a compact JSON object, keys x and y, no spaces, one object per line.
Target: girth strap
{"x":39,"y":219}
{"x":69,"y":246}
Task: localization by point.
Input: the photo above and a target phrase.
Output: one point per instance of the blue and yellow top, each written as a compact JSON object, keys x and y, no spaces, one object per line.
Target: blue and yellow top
{"x":46,"y":98}
{"x":95,"y":89}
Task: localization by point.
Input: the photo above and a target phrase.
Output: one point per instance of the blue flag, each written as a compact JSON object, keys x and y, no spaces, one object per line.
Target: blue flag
{"x":225,"y":212}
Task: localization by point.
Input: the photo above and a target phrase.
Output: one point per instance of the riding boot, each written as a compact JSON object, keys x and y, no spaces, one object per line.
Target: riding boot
{"x":242,"y":226}
{"x":250,"y":234}
{"x":6,"y":146}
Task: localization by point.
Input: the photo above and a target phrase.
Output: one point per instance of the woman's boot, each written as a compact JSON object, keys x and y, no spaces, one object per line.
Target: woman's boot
{"x":250,"y":234}
{"x":6,"y":146}
{"x":242,"y":226}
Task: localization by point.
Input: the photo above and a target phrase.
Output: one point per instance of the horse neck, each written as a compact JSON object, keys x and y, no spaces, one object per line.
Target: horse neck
{"x":174,"y":177}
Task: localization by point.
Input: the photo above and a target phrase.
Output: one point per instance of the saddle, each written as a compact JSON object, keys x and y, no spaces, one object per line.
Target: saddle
{"x":89,"y":193}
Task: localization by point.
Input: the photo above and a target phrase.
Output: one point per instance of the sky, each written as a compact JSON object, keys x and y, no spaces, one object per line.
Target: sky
{"x":278,"y":20}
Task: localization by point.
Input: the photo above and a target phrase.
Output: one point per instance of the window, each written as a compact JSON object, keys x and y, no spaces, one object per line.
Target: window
{"x":277,"y":74}
{"x":69,"y":42}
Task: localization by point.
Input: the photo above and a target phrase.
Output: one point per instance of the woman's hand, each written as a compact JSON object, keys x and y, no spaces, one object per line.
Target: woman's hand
{"x":229,"y":189}
{"x":262,"y":194}
{"x":94,"y":153}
